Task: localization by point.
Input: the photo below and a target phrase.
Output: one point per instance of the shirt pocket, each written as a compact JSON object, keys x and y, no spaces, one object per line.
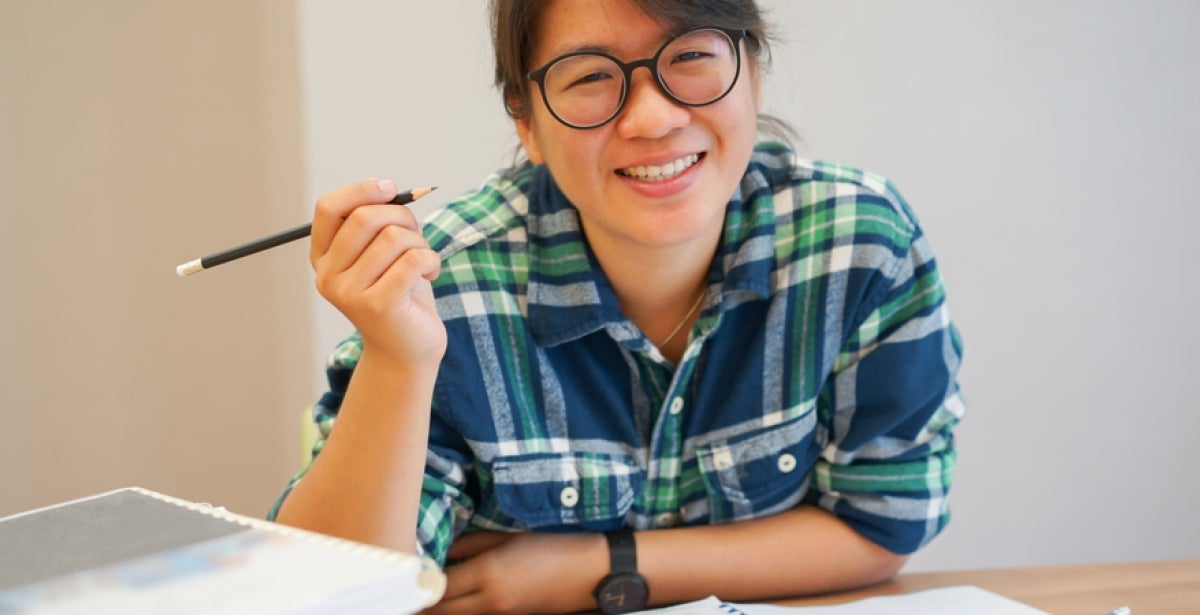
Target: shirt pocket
{"x":547,"y":491}
{"x":760,"y":472}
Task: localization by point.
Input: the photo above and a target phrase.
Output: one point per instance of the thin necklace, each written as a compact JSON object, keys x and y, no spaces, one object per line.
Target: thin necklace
{"x":679,"y":326}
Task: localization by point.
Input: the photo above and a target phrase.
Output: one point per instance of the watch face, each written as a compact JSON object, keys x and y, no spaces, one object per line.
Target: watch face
{"x":623,"y":592}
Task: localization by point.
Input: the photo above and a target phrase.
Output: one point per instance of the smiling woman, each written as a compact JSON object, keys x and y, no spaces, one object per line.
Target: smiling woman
{"x":654,"y":345}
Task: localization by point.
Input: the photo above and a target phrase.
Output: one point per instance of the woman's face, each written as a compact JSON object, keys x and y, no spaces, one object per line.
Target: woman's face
{"x":593,"y":167}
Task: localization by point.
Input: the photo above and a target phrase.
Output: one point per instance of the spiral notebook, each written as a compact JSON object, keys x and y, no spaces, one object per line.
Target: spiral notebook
{"x":137,"y":551}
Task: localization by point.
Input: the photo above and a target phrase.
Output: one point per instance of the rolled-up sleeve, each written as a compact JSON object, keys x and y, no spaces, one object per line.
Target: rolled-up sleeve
{"x":886,"y":413}
{"x":446,"y":506}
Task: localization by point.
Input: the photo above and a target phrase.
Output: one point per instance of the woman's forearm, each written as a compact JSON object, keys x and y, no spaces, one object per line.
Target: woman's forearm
{"x":801,"y":551}
{"x":365,"y":485}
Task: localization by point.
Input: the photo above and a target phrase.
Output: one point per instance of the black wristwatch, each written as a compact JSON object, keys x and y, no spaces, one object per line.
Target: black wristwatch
{"x":623,"y":590}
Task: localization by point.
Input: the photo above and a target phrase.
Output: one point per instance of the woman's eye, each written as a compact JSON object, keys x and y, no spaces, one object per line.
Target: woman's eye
{"x":590,"y":78}
{"x":690,"y":55}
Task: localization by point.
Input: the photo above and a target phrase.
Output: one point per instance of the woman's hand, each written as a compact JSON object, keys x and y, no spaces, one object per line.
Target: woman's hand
{"x":523,"y":573}
{"x":373,"y":265}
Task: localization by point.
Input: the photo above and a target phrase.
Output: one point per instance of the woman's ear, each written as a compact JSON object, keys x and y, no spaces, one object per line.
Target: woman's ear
{"x":528,"y":140}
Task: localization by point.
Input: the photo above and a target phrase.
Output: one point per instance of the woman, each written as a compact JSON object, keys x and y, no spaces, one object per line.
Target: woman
{"x":660,"y":359}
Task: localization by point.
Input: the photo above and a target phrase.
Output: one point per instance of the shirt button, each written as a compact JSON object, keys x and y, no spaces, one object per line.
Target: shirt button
{"x":676,"y":406}
{"x":569,"y":496}
{"x":665,"y":519}
{"x":787,"y":463}
{"x":722,"y":460}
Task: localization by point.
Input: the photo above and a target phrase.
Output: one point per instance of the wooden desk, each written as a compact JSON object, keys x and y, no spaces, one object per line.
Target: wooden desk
{"x":1148,"y":588}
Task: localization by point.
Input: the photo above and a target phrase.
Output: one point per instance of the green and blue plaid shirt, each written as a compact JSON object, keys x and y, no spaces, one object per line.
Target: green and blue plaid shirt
{"x":821,"y":368}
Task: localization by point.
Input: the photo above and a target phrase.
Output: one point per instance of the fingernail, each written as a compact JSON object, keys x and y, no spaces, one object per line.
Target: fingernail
{"x":387,"y":187}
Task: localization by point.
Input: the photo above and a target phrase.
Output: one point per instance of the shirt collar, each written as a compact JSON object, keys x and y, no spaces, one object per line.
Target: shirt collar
{"x":569,"y":296}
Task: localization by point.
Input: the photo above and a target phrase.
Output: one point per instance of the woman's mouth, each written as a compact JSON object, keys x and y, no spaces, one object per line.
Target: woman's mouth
{"x":663,"y":172}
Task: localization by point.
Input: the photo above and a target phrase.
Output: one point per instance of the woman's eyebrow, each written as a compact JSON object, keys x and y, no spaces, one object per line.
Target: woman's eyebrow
{"x":583,"y":48}
{"x":590,"y":47}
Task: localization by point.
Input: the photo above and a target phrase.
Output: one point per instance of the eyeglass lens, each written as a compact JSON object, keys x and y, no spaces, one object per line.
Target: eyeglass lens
{"x":586,"y":90}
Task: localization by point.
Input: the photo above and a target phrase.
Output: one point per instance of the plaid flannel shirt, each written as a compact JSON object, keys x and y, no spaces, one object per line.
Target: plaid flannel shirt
{"x":821,"y":368}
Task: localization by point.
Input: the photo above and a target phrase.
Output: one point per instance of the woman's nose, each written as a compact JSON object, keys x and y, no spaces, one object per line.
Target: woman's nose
{"x":648,"y":112}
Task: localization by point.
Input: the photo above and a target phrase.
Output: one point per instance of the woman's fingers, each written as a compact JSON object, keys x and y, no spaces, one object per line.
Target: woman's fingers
{"x":369,"y":242}
{"x":398,"y":289}
{"x":464,"y":592}
{"x":335,"y":206}
{"x":470,"y":604}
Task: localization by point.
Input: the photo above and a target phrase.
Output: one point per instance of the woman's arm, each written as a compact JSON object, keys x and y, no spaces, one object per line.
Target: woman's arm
{"x":801,"y":551}
{"x":805,"y":550}
{"x":373,"y":264}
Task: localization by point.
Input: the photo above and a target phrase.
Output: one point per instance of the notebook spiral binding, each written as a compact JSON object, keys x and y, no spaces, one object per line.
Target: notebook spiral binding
{"x":428,"y":566}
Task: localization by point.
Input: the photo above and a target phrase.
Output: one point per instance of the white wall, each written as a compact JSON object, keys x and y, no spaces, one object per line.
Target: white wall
{"x":400,"y":91}
{"x":1047,"y":148}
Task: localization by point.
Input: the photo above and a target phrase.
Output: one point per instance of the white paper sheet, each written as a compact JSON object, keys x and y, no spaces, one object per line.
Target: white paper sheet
{"x":944,"y":601}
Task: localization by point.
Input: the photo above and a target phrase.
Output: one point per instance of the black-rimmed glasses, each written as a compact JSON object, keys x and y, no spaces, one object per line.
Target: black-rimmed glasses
{"x":586,"y":89}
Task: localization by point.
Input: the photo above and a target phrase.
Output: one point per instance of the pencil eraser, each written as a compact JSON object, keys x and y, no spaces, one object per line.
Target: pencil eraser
{"x":187,"y":269}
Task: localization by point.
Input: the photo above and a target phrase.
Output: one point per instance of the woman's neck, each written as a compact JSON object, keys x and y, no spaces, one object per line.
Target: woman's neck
{"x":658,"y":286}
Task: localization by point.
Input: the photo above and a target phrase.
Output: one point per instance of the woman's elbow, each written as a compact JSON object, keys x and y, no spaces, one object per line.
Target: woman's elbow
{"x":884,"y":566}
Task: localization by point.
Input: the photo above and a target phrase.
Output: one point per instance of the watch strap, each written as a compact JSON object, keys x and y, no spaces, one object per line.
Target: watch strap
{"x":622,"y":551}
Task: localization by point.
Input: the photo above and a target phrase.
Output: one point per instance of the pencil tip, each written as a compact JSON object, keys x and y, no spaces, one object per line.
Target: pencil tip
{"x":412,"y":195}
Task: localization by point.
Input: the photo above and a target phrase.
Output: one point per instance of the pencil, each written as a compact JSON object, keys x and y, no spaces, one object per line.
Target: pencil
{"x":278,"y":239}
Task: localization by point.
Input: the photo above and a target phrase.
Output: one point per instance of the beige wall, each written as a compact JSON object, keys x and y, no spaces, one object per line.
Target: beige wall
{"x":136,"y":135}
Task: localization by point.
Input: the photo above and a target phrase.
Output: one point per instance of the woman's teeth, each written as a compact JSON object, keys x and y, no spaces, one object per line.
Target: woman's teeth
{"x":664,"y":172}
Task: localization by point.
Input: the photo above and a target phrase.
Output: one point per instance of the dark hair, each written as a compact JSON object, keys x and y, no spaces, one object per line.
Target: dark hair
{"x":514,"y":30}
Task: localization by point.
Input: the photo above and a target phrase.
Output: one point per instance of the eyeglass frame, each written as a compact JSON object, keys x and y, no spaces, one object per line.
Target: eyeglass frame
{"x":734,"y":35}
